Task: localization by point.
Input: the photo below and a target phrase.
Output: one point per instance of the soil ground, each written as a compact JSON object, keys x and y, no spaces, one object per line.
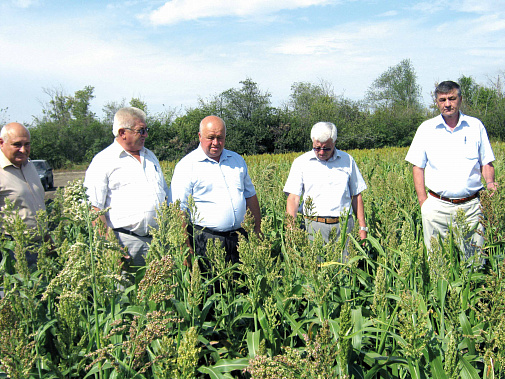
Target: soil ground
{"x":61,"y":179}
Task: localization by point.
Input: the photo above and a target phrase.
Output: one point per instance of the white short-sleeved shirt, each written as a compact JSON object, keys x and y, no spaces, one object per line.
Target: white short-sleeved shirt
{"x":451,"y":160}
{"x":219,"y":189}
{"x":22,"y":186}
{"x":133,"y":190}
{"x":330,"y":184}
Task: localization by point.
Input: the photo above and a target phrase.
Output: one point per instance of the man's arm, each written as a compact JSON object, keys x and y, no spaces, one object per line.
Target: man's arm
{"x":488,"y":173}
{"x":100,"y":218}
{"x":253,"y":204}
{"x":418,"y":174}
{"x":359,"y":211}
{"x":292,"y":204}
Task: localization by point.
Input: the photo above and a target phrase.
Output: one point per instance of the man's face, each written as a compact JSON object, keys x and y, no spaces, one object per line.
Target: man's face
{"x":323,"y":150}
{"x":17,"y":146}
{"x":135,"y":137}
{"x":212,"y":138}
{"x":449,"y":103}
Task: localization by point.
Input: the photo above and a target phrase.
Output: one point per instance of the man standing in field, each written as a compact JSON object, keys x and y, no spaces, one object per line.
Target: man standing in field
{"x":127,"y":177}
{"x":19,"y":181}
{"x":450,"y":152}
{"x":222,"y":190}
{"x":331,"y":179}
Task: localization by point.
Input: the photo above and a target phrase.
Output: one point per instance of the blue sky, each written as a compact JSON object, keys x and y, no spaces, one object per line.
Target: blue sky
{"x":171,"y":53}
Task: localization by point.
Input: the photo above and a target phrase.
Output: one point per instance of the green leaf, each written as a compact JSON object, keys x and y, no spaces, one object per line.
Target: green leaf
{"x":467,"y":370}
{"x":253,"y":342}
{"x":225,"y":365}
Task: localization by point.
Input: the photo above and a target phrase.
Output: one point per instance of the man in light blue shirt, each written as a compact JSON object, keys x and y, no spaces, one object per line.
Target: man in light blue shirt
{"x":220,"y":185}
{"x":449,"y":154}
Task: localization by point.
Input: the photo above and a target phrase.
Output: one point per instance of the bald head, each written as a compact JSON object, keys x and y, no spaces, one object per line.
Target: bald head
{"x":212,"y":136}
{"x":15,"y":143}
{"x":214,"y":121}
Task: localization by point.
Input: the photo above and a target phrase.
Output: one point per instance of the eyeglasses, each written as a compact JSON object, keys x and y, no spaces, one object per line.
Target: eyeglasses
{"x":322,"y":148}
{"x":142,"y":131}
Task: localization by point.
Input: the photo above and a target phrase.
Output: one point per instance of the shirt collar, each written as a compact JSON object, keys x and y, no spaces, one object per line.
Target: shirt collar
{"x":4,"y":162}
{"x":461,"y":122}
{"x":201,"y":156}
{"x":334,"y":156}
{"x":120,"y":150}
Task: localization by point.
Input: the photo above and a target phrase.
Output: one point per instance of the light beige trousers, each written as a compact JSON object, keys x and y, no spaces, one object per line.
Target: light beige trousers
{"x":438,"y":215}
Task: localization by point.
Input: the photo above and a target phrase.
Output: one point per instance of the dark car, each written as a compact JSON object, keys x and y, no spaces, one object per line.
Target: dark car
{"x":45,"y":173}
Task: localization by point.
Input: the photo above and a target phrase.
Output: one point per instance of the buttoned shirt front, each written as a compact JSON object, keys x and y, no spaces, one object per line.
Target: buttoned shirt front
{"x":133,"y":190}
{"x":22,"y":186}
{"x":219,"y":189}
{"x":452,"y":160}
{"x":330,"y":184}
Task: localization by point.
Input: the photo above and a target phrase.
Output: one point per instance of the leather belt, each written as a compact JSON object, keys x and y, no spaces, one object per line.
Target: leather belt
{"x":126,"y":231}
{"x":454,"y":201}
{"x":219,"y":233}
{"x":325,"y":220}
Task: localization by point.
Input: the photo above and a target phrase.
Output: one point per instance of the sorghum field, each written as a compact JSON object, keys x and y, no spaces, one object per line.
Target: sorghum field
{"x":291,"y":309}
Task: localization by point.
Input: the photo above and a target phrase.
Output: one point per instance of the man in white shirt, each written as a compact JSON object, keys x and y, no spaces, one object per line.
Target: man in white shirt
{"x":127,"y":177}
{"x":220,"y":185}
{"x":332,"y":180}
{"x":449,"y":154}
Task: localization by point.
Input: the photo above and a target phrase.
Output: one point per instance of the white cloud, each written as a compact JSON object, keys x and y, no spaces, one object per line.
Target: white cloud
{"x":24,"y":3}
{"x":389,"y":14}
{"x":182,"y":10}
{"x":467,"y":6}
{"x":345,"y":39}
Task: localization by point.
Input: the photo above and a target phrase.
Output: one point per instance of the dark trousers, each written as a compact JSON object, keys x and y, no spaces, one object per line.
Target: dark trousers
{"x":229,"y":241}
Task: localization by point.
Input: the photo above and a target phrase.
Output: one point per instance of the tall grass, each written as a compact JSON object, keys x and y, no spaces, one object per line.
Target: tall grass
{"x":291,"y":308}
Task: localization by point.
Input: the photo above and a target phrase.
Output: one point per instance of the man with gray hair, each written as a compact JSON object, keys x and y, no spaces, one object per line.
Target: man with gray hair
{"x":331,"y":179}
{"x":127,"y":177}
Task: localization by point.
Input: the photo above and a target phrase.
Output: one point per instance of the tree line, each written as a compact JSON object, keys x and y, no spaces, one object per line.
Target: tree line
{"x":68,"y":132}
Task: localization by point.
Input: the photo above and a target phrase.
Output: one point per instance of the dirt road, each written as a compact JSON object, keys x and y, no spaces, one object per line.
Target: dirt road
{"x":61,"y":179}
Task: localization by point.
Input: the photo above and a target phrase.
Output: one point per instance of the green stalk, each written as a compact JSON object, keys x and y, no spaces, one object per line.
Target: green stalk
{"x":93,"y":286}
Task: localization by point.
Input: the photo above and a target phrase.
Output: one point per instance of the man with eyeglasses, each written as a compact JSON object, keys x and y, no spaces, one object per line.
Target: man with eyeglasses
{"x":333,"y":182}
{"x":127,"y":177}
{"x":222,"y":190}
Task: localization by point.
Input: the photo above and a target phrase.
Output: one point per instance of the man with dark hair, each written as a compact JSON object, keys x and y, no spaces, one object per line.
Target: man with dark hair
{"x":449,"y":154}
{"x":222,"y":190}
{"x":127,"y":177}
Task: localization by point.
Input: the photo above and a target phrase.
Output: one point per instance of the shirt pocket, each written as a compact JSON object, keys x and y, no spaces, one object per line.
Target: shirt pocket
{"x":471,"y":151}
{"x":338,"y":181}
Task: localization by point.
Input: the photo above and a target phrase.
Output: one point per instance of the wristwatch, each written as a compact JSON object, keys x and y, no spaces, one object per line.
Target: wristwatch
{"x":363,"y":228}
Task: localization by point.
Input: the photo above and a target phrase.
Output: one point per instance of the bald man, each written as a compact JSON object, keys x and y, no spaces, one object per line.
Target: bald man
{"x":19,"y":181}
{"x":221,"y":187}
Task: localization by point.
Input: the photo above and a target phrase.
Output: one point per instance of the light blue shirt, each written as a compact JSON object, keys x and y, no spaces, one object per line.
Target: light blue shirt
{"x":330,"y":184}
{"x":133,"y":190}
{"x":451,"y":160}
{"x":219,"y":189}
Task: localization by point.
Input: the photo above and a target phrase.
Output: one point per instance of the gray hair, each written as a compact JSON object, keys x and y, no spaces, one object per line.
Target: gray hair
{"x":5,"y":132}
{"x":323,"y":131}
{"x":446,"y":87}
{"x":126,"y":117}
